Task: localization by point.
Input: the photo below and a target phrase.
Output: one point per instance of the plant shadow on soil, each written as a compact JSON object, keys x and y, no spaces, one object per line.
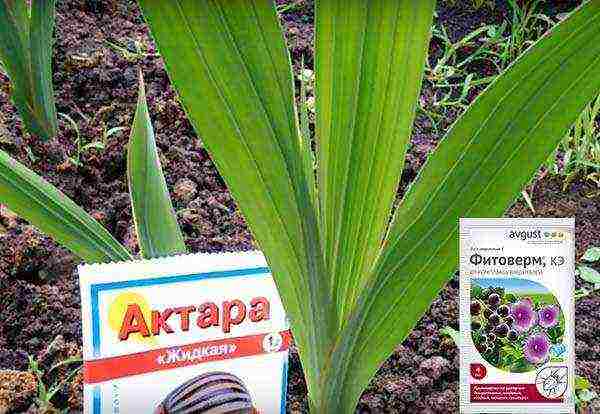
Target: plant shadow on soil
{"x":96,"y":86}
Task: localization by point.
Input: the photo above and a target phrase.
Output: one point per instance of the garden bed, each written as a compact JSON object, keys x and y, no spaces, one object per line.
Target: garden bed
{"x":99,"y":47}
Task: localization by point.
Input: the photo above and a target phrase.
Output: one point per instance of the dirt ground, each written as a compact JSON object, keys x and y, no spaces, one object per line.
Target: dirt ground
{"x":95,"y":84}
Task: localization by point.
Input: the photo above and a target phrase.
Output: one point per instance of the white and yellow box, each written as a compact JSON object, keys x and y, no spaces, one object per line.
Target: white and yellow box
{"x":191,"y":333}
{"x":517,"y":348}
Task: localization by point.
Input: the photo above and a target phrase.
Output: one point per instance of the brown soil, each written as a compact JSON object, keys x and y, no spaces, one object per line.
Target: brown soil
{"x":16,"y":388}
{"x":96,"y":87}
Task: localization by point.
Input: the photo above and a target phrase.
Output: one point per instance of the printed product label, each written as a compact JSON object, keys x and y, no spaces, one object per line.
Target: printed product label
{"x":517,"y":315}
{"x":184,"y":334}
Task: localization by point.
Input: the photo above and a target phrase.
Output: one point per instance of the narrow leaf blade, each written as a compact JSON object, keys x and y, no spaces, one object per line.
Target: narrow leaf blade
{"x":15,"y":53}
{"x":34,"y":199}
{"x":370,"y":57}
{"x":478,"y":169}
{"x":41,"y":37}
{"x":155,"y":220}
{"x":14,"y":36}
{"x":30,"y":75}
{"x":452,"y":333}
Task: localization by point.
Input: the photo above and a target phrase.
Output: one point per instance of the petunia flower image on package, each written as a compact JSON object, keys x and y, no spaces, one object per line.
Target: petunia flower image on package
{"x":516,"y":315}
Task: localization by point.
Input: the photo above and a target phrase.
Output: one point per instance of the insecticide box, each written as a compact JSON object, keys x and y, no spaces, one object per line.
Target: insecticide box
{"x":185,"y":334}
{"x":517,"y":315}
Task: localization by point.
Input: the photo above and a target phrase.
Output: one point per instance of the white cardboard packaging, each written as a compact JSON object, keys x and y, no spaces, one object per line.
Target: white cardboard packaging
{"x":529,"y":265}
{"x":150,"y":326}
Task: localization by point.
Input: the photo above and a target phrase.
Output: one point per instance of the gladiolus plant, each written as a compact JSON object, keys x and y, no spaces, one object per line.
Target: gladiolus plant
{"x":353,"y":277}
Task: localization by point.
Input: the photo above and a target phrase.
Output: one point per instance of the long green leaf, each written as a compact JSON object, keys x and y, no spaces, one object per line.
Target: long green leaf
{"x":155,"y":220}
{"x":14,"y":37}
{"x":14,"y":50}
{"x":36,"y":200}
{"x":370,"y":57}
{"x":477,"y":171}
{"x":41,"y":38}
{"x":26,"y":53}
{"x":228,"y":61}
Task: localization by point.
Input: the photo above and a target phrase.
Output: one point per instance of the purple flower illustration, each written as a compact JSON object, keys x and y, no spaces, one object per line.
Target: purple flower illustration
{"x":548,"y":316}
{"x":523,"y":314}
{"x":528,"y":301}
{"x":536,"y":348}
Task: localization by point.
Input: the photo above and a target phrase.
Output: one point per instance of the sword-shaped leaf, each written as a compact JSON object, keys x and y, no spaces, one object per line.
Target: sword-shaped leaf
{"x":155,"y":221}
{"x":26,"y":54}
{"x":41,"y":38}
{"x":370,"y":57}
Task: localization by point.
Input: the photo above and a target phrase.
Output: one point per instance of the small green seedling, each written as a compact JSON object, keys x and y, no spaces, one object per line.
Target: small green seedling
{"x":451,"y":333}
{"x":584,"y":393}
{"x":450,"y":77}
{"x":580,"y":149}
{"x":133,"y":52}
{"x":109,"y":132}
{"x":526,"y":26}
{"x":45,"y":393}
{"x":290,"y":7}
{"x":81,"y":146}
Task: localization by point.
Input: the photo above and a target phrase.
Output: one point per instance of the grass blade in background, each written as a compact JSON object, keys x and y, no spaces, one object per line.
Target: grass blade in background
{"x":26,"y":54}
{"x":228,"y":62}
{"x":479,"y":168}
{"x":369,"y":62}
{"x":155,"y":221}
{"x":44,"y":206}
